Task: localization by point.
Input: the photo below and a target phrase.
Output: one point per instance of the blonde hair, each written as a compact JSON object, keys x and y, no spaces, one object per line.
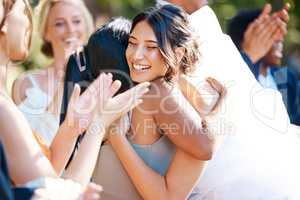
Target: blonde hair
{"x":43,"y":13}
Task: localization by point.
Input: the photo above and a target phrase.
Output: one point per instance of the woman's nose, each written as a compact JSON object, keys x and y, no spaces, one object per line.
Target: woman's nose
{"x":70,"y":28}
{"x":139,"y":52}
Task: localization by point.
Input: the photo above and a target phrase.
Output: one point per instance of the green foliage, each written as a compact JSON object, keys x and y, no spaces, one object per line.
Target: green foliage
{"x":225,"y":9}
{"x":127,"y":8}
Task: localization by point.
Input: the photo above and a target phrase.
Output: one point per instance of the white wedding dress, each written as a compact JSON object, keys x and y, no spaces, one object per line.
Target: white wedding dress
{"x":260,"y":155}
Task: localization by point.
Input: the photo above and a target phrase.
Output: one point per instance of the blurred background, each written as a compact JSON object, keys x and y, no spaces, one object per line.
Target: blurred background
{"x":102,"y":10}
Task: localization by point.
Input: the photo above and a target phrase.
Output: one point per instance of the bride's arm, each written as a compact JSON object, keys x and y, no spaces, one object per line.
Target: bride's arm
{"x":150,"y":184}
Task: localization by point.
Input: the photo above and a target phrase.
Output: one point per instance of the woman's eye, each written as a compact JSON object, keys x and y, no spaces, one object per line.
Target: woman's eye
{"x":59,"y":24}
{"x":132,"y":43}
{"x":78,"y":21}
{"x":151,"y":47}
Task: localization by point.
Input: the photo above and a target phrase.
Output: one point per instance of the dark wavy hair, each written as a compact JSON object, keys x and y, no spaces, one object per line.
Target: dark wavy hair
{"x":172,"y":29}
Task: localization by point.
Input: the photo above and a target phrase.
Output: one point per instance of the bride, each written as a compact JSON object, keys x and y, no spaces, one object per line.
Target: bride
{"x":259,"y":159}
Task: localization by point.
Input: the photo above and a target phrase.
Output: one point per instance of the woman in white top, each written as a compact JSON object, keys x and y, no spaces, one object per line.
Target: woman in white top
{"x":65,"y":25}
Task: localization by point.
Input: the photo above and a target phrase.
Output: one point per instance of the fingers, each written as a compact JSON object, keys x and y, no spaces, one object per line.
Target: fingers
{"x":97,"y":92}
{"x":222,"y":93}
{"x":287,"y":7}
{"x":75,"y":95}
{"x":126,"y":101}
{"x":265,"y":36}
{"x":92,"y":192}
{"x":283,"y":13}
{"x":114,"y":88}
{"x":101,"y":82}
{"x":217,"y":86}
{"x":265,"y":12}
{"x":133,"y":96}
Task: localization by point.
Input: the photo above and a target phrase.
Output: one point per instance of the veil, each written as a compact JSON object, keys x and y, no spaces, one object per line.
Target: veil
{"x":259,"y":156}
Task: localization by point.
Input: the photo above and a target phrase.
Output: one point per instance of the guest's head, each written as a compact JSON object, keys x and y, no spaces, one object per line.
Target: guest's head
{"x":237,"y":28}
{"x":64,"y":26}
{"x":105,"y":51}
{"x":161,"y":44}
{"x":15,"y":29}
{"x":189,"y":6}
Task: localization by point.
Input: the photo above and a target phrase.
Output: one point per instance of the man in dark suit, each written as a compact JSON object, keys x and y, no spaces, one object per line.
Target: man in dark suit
{"x":260,"y":45}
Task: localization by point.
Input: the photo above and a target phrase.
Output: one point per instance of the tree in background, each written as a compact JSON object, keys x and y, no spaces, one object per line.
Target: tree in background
{"x":102,"y":10}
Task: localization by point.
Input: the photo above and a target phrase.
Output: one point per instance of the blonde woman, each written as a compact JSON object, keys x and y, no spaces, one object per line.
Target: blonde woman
{"x":64,"y":25}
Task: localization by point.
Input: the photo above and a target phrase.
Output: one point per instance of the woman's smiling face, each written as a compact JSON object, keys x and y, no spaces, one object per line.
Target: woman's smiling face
{"x":65,"y":27}
{"x":143,"y":55}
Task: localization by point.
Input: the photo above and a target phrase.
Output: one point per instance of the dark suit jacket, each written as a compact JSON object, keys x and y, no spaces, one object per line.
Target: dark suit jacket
{"x":287,"y":85}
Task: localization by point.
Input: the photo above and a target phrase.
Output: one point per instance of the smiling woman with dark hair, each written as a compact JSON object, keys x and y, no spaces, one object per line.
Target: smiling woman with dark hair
{"x":161,"y":48}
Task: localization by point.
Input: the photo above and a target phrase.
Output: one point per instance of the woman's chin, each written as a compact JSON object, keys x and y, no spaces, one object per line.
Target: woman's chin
{"x":138,"y":80}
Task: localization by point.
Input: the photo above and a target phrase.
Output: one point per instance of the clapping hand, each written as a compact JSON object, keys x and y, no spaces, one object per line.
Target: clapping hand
{"x":122,"y":103}
{"x":264,"y":31}
{"x":82,"y":108}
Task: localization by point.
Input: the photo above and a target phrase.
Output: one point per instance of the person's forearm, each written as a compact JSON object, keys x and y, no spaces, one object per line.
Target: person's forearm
{"x":83,"y":164}
{"x":149,"y":183}
{"x":181,"y":122}
{"x":21,"y":147}
{"x":62,"y":147}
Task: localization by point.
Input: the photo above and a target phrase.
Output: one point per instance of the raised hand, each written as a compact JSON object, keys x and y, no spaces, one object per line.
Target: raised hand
{"x":122,"y":103}
{"x":81,"y":108}
{"x":283,"y":17}
{"x":262,"y":33}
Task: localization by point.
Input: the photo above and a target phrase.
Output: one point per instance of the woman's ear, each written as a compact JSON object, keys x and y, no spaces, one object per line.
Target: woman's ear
{"x":179,"y":51}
